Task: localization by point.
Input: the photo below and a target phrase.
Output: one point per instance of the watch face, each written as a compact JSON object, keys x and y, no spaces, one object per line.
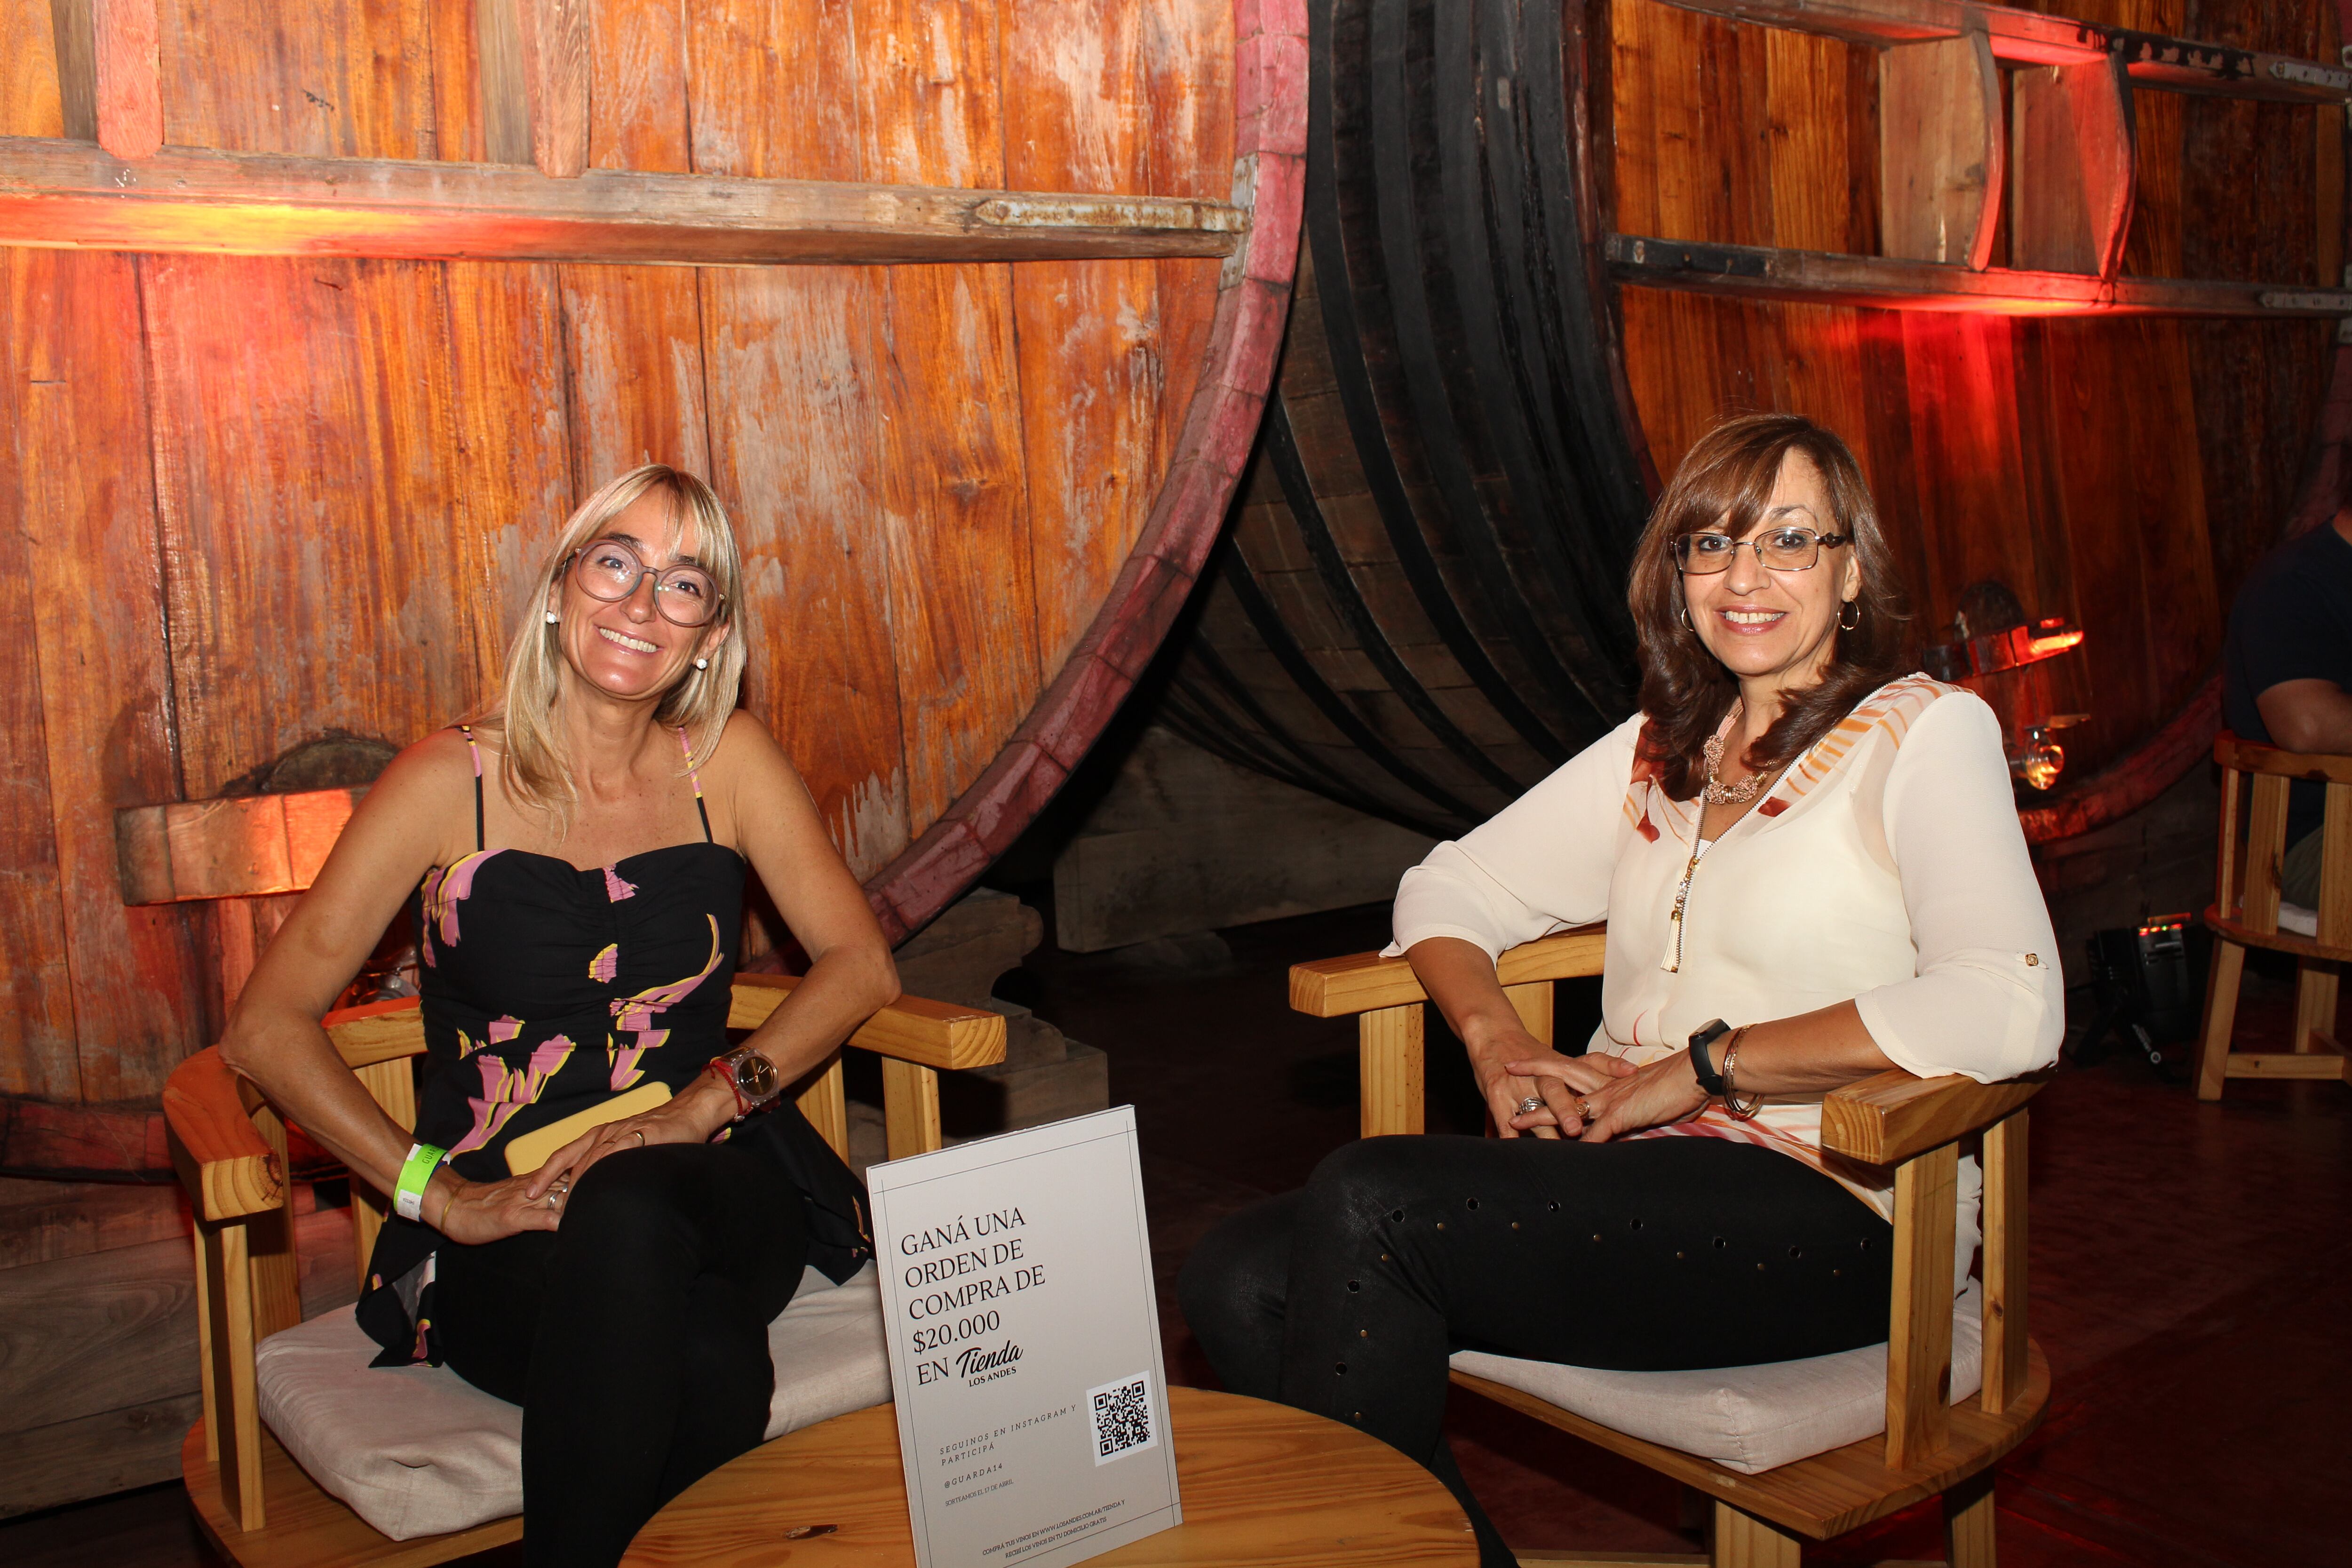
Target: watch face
{"x":755,"y":1075}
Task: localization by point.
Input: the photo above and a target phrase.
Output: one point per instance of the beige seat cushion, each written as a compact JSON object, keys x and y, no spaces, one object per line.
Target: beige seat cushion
{"x":417,"y":1450}
{"x":1745,"y":1418}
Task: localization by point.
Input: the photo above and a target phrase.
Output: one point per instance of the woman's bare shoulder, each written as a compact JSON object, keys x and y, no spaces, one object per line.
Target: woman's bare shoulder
{"x":747,"y":753}
{"x":428,"y":789}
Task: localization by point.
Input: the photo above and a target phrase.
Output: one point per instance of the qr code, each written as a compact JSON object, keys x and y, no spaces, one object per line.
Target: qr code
{"x":1120,"y":1413}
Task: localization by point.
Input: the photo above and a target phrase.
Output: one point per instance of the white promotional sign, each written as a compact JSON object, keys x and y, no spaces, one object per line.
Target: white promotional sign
{"x":1025,"y":1346}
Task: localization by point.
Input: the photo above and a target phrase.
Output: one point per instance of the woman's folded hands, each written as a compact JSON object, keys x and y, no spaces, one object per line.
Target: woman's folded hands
{"x":1631,"y":1100}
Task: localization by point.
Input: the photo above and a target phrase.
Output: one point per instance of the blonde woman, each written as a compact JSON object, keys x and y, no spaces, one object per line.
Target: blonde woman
{"x":577,"y":859}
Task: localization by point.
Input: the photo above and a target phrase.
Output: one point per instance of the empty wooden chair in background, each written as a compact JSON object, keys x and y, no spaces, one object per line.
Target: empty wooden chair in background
{"x":1796,"y":1450}
{"x":2255,"y":782}
{"x":413,"y":1464}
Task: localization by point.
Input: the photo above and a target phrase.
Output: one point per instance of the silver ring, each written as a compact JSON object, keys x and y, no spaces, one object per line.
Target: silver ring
{"x":1531,"y":1105}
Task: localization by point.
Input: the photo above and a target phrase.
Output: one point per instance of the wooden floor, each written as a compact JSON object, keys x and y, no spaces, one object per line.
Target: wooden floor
{"x":2190,"y":1263}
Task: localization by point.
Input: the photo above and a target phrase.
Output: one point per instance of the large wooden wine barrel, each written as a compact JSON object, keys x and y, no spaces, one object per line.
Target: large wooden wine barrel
{"x":319,"y":318}
{"x":2069,"y":286}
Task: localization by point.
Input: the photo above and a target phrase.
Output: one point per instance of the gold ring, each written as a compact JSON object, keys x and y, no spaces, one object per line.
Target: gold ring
{"x":641,"y":1136}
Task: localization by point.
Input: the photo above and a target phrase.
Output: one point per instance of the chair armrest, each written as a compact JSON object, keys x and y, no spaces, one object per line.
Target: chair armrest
{"x":377,"y":1031}
{"x":1365,"y":982}
{"x":915,"y":1029}
{"x":1889,"y":1117}
{"x":229,"y":1169}
{"x":2249,"y":756}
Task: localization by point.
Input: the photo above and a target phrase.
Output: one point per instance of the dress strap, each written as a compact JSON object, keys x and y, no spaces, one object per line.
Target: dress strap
{"x":688,"y":747}
{"x":468,"y":731}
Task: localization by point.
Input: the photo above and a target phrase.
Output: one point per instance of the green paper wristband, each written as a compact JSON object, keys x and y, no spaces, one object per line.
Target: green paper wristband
{"x":408,"y":1196}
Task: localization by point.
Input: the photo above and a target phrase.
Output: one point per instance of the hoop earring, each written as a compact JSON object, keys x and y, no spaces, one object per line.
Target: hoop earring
{"x":1847,"y":626}
{"x":1684,"y":613}
{"x":552,"y":618}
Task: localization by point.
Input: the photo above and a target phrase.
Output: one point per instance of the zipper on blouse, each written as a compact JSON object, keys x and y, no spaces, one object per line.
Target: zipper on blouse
{"x":1682,"y":898}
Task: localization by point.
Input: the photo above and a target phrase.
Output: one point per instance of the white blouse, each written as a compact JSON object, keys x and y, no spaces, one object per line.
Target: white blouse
{"x":1886,"y":867}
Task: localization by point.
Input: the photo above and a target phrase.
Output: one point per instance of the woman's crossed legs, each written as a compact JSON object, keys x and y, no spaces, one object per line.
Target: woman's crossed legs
{"x":1345,"y":1297}
{"x":635,"y":1338}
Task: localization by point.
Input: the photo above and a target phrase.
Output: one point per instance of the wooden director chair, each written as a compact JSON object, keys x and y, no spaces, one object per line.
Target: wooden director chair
{"x":1929,"y":1447}
{"x":2245,"y":913}
{"x":256,"y":1503}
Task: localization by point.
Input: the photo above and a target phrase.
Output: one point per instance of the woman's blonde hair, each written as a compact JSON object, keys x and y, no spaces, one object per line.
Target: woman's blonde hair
{"x":535,"y":771}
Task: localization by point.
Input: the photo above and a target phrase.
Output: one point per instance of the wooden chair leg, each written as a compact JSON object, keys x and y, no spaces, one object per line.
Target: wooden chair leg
{"x":2221,"y":1017}
{"x":1967,"y":1523}
{"x":2314,"y":1003}
{"x":1743,"y":1541}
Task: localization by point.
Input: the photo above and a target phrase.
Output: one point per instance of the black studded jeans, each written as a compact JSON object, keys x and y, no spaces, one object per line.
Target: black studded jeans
{"x":1345,"y":1297}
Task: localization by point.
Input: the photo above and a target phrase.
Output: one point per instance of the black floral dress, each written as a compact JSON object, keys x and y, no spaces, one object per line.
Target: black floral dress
{"x":547,"y":989}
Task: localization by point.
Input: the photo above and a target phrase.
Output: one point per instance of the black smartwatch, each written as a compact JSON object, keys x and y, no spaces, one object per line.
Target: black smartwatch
{"x":1706,"y":1035}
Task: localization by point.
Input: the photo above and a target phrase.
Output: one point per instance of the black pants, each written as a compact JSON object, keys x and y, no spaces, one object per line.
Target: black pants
{"x":635,"y":1338}
{"x":1345,"y":1297}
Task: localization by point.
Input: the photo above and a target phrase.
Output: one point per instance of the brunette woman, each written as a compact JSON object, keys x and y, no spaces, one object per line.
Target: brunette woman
{"x":577,"y":860}
{"x":1813,"y":872}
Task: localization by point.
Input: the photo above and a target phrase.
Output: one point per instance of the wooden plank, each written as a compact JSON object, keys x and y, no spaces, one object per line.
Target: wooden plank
{"x":2250,"y":756}
{"x":954,"y":493}
{"x":2006,"y":1290}
{"x":39,"y":49}
{"x":335,"y":78}
{"x":1919,"y":1349}
{"x":911,"y":1108}
{"x":108,"y":81}
{"x":912,"y":1029}
{"x":377,"y":1032}
{"x":2227,"y":971}
{"x":1743,"y":1541}
{"x":394,"y":1087}
{"x":634,"y":344}
{"x":797,"y":352}
{"x":822,"y":1101}
{"x":38,"y":1054}
{"x":1941,"y":151}
{"x":635,"y":101}
{"x":2335,"y":926}
{"x":63,"y":194}
{"x":2029,"y":37}
{"x":1388,"y":1052}
{"x":510,"y":449}
{"x":44,"y":1221}
{"x":231,"y":1406}
{"x":306,"y":1526}
{"x":2265,"y":847}
{"x":1532,"y":1003}
{"x":93,"y":1456}
{"x":1894,"y":1116}
{"x":271,"y":378}
{"x":2326,"y":1067}
{"x":1086,"y":333}
{"x":1827,"y":1495}
{"x":1893,"y":284}
{"x":552,"y":40}
{"x":240,"y":846}
{"x":228,"y":1169}
{"x":99,"y":1332}
{"x":2071,"y":192}
{"x":1359,"y":982}
{"x":1186,"y":55}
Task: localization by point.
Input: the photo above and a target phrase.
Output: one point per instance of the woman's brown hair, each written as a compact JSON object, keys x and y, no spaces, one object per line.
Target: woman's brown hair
{"x":1724,"y":484}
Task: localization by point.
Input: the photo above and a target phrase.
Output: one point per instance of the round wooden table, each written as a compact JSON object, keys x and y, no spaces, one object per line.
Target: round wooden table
{"x":1262,"y":1483}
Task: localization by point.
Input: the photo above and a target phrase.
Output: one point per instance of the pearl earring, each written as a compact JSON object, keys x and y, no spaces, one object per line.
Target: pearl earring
{"x":552,"y":618}
{"x":702,"y":664}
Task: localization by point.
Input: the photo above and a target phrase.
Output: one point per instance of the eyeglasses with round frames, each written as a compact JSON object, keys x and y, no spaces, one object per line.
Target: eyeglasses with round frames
{"x":1781,"y":549}
{"x":609,"y":569}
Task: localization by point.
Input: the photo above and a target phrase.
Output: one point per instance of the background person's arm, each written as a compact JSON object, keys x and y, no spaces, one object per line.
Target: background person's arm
{"x":2308,"y":716}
